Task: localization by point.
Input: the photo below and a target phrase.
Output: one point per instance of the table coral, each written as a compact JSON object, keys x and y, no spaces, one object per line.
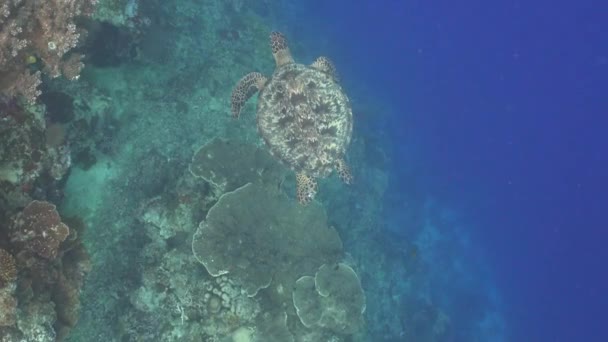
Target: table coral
{"x":333,"y":299}
{"x":228,"y":165}
{"x":256,"y":233}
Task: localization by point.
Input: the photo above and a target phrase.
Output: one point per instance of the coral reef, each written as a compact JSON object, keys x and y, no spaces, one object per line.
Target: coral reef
{"x":185,"y":302}
{"x":40,"y":283}
{"x":43,"y":261}
{"x":157,"y":204}
{"x":332,"y":299}
{"x":22,"y":146}
{"x":254,"y":243}
{"x":38,"y":36}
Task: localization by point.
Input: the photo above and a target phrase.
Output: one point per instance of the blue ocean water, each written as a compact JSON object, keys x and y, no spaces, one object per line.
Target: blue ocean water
{"x":498,"y":112}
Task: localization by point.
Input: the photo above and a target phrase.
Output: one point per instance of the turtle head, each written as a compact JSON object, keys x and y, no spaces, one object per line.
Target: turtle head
{"x":280,"y":50}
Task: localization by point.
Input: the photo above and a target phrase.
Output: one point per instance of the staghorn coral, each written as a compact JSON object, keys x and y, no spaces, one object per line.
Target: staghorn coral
{"x":39,"y":229}
{"x":32,"y":31}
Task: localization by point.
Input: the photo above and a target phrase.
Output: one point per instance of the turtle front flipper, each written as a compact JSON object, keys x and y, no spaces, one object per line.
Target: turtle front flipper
{"x":306,"y":188}
{"x":344,"y":171}
{"x":327,"y":66}
{"x":280,"y":50}
{"x":245,"y":88}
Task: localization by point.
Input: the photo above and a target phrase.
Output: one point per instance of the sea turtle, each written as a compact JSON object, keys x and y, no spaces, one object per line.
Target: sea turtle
{"x":303,"y":115}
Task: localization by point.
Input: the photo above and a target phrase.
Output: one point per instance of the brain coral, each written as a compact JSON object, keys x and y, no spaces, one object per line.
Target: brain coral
{"x":256,"y":234}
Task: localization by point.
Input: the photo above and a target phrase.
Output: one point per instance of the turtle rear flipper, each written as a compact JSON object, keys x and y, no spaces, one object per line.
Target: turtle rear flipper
{"x":245,"y":88}
{"x":344,"y":171}
{"x":306,"y":188}
{"x":327,"y":66}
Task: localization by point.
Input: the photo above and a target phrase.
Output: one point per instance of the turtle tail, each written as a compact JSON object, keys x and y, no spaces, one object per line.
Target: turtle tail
{"x":245,"y":88}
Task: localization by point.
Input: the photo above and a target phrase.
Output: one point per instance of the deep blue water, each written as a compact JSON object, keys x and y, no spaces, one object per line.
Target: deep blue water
{"x":499,"y":112}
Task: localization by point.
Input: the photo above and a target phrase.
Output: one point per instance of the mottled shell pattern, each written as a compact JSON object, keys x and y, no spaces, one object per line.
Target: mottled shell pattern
{"x":305,"y":119}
